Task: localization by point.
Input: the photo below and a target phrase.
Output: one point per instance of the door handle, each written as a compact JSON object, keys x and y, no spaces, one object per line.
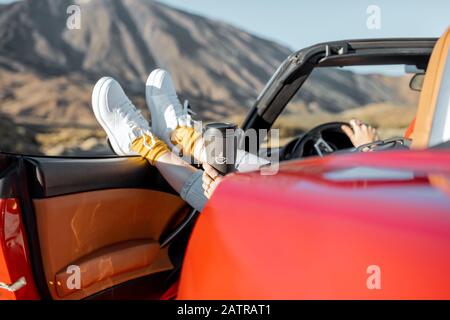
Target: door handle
{"x":19,"y":284}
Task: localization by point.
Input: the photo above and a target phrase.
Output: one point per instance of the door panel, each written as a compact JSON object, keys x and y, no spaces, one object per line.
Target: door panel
{"x":109,"y":262}
{"x":49,"y":177}
{"x":108,"y":217}
{"x":93,"y":230}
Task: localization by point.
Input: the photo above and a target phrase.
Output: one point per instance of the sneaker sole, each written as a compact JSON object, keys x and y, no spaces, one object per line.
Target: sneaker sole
{"x":96,"y":97}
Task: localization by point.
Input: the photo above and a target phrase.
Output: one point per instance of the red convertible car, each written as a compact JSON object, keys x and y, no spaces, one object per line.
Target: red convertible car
{"x":331,"y":224}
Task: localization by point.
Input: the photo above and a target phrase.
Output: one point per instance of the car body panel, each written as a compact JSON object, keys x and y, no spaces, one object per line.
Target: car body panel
{"x":15,"y":271}
{"x":313,"y":230}
{"x":372,"y":225}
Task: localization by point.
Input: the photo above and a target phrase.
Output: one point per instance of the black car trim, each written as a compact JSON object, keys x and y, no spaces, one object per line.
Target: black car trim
{"x":167,"y":239}
{"x":50,"y":177}
{"x":13,"y":184}
{"x":418,"y":57}
{"x":29,"y":220}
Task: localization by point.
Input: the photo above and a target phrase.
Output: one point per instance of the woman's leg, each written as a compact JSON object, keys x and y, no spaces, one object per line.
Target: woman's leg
{"x":175,"y":170}
{"x":177,"y":129}
{"x":184,"y":178}
{"x":130,"y":134}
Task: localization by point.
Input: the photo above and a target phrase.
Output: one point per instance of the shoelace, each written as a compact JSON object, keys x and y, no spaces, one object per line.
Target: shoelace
{"x":136,"y":121}
{"x":185,"y":116}
{"x":182,"y":112}
{"x":130,"y":113}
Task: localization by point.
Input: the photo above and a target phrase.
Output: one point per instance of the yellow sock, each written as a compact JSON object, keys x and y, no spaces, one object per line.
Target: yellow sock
{"x":186,"y":138}
{"x":150,"y":148}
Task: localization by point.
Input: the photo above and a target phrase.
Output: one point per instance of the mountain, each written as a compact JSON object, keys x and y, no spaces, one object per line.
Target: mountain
{"x":47,"y":71}
{"x":211,"y":62}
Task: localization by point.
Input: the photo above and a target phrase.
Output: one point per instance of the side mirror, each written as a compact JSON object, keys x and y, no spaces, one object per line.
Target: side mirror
{"x":416,"y":82}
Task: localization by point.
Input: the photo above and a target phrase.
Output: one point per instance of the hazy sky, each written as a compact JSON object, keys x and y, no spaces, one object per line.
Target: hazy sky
{"x":299,"y":23}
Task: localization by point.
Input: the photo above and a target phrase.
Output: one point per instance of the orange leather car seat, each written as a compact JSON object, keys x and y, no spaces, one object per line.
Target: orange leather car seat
{"x":426,"y":114}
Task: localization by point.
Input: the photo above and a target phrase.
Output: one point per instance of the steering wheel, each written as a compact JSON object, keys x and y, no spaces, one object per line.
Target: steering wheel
{"x":319,"y":141}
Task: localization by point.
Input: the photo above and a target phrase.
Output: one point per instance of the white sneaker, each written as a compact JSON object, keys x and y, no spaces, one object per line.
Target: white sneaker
{"x":118,"y":116}
{"x":165,"y":108}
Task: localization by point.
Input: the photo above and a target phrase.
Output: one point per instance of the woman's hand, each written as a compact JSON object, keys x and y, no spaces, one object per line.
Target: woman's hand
{"x":360,"y":133}
{"x":211,"y":179}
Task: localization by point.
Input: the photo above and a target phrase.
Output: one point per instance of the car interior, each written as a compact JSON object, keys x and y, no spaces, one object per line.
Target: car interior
{"x":328,"y":137}
{"x":116,"y":219}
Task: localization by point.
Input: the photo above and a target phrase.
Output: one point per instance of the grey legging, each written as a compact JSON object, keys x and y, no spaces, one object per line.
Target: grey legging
{"x":193,"y":192}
